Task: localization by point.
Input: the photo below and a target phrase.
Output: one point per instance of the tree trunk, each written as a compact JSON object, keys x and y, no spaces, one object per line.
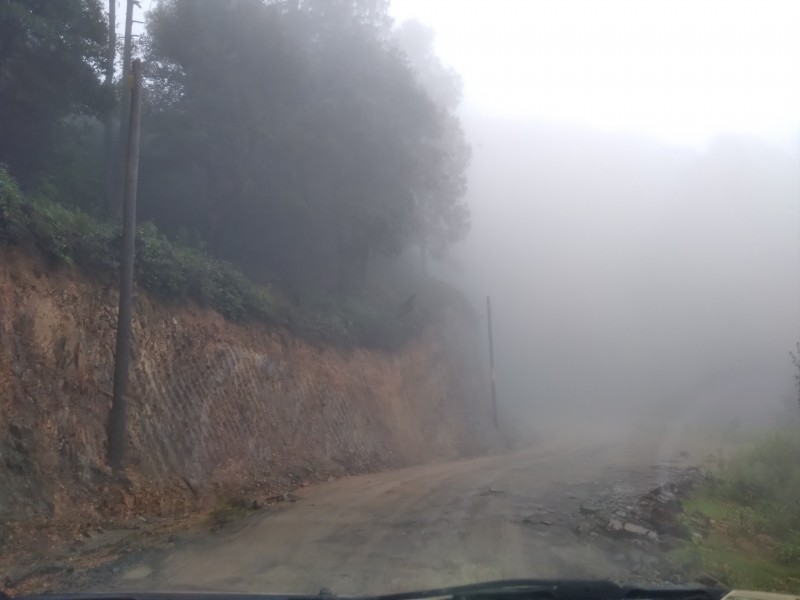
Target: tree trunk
{"x":117,"y":426}
{"x":342,"y":280}
{"x":108,"y":124}
{"x":122,"y":136}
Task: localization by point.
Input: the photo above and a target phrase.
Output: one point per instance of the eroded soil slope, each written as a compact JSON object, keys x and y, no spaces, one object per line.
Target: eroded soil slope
{"x":216,"y":408}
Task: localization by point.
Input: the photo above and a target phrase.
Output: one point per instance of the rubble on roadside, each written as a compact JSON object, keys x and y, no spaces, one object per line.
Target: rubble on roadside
{"x":637,"y":531}
{"x":655,"y":517}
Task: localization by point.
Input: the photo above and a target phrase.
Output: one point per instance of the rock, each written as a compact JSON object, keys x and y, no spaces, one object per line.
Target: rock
{"x":614,"y":526}
{"x":545,"y":522}
{"x":650,"y":561}
{"x":588,"y":510}
{"x":635,"y":529}
{"x":708,"y":580}
{"x":139,"y":572}
{"x":652,"y":535}
{"x":289,"y":497}
{"x":700,"y":521}
{"x":635,"y":556}
{"x":255,"y":505}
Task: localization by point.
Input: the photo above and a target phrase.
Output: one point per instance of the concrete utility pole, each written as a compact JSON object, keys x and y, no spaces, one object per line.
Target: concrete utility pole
{"x":491,"y":359}
{"x":117,"y":421}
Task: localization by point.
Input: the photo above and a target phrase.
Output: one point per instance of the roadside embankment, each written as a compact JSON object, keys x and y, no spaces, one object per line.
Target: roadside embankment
{"x":216,"y":408}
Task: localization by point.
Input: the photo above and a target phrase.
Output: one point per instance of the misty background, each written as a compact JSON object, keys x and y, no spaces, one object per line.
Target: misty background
{"x":635,"y":204}
{"x":627,"y":274}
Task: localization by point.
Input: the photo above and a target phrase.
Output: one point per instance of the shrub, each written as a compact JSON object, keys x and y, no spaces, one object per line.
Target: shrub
{"x":178,"y":273}
{"x":766,"y":480}
{"x":788,"y":554}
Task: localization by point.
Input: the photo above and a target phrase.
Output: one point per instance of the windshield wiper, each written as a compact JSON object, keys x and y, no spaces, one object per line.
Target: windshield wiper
{"x":558,"y":589}
{"x":507,"y":589}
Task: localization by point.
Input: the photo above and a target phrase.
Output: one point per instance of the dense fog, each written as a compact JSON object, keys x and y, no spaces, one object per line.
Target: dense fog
{"x":627,"y":274}
{"x":635,"y":198}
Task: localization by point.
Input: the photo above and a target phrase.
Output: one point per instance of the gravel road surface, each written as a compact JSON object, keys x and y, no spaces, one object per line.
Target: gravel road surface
{"x":514,"y":515}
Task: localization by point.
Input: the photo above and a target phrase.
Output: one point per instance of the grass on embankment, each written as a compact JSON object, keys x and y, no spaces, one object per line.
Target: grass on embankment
{"x":746,"y":522}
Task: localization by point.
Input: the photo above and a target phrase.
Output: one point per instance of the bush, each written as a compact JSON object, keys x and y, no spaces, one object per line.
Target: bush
{"x":766,"y":481}
{"x":179,"y":273}
{"x":13,"y":220}
{"x":788,"y":554}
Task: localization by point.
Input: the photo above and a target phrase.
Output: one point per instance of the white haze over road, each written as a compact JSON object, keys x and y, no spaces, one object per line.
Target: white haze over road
{"x":635,"y":200}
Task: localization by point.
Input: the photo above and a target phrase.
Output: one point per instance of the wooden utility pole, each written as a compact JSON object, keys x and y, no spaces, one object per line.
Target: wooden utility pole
{"x":117,"y":426}
{"x":491,"y":360}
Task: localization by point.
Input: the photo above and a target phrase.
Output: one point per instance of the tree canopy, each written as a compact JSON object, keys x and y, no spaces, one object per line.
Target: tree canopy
{"x":51,"y":55}
{"x":297,"y":139}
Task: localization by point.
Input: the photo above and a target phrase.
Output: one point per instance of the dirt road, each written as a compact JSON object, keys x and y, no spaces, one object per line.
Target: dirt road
{"x":512,"y":515}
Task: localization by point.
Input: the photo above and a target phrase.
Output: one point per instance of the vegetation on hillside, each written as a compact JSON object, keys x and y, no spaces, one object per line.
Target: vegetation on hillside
{"x":746,"y":521}
{"x":177,"y":273}
{"x":299,"y":141}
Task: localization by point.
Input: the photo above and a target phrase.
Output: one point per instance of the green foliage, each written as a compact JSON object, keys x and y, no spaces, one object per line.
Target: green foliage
{"x":765,"y":482}
{"x":226,"y":510}
{"x":180,"y":273}
{"x":13,"y":220}
{"x":74,"y":175}
{"x":754,"y":539}
{"x":61,"y":234}
{"x":789,"y":554}
{"x":294,"y":142}
{"x":49,"y":60}
{"x":299,"y":142}
{"x":740,"y":568}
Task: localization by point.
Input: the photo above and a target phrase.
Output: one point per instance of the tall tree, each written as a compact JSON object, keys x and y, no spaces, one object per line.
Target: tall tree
{"x":287,"y":138}
{"x":108,"y":121}
{"x":442,"y":216}
{"x":796,"y":362}
{"x":124,"y":108}
{"x":50,"y":56}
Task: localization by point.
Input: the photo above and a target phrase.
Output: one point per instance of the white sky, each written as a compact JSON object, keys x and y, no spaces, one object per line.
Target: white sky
{"x":679,"y":70}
